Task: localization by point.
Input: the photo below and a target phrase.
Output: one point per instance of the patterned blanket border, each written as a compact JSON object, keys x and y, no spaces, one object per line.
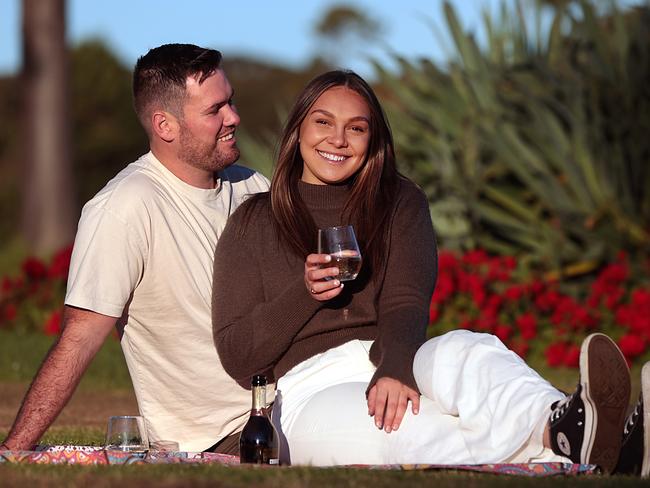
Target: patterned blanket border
{"x":88,"y":455}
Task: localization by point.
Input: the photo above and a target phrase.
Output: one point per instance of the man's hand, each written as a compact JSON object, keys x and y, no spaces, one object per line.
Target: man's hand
{"x":387,"y":401}
{"x":321,"y":288}
{"x":83,"y":334}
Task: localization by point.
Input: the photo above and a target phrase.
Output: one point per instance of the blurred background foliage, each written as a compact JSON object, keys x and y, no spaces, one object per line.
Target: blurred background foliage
{"x":533,"y":143}
{"x":537,"y":144}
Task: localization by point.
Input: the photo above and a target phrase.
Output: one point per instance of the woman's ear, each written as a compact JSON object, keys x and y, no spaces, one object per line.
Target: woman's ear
{"x":164,"y":125}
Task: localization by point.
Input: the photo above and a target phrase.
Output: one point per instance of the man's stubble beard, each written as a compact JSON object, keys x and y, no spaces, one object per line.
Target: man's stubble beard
{"x":203,"y":156}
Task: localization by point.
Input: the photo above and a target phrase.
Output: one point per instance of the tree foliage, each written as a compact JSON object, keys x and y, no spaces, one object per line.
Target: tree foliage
{"x":536,"y":144}
{"x":342,"y":19}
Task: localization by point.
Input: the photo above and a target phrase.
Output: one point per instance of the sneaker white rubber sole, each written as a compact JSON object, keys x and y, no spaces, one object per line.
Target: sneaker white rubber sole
{"x":645,"y":392}
{"x":605,"y":380}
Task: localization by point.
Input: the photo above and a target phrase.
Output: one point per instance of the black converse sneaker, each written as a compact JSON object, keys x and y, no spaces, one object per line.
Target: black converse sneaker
{"x":635,"y":449}
{"x":586,"y":426}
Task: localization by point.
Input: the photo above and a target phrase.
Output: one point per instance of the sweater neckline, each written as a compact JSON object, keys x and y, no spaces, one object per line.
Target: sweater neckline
{"x":324,"y":196}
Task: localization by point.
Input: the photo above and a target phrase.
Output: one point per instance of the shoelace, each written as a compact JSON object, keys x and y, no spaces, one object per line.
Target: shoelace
{"x":560,"y":407}
{"x":632,"y":418}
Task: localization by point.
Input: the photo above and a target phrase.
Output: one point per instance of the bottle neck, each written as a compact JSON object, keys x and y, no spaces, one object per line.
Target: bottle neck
{"x":259,"y":399}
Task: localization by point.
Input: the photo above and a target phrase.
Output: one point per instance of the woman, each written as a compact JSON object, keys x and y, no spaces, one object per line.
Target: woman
{"x":348,"y":358}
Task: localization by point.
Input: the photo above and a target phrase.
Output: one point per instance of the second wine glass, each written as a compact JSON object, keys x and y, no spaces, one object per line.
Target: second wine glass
{"x":341,"y":243}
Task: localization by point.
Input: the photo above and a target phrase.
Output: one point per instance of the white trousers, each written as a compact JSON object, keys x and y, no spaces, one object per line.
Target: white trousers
{"x":480,"y":404}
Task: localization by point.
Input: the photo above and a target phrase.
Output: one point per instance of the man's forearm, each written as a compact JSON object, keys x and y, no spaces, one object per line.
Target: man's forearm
{"x":57,"y":378}
{"x":48,"y":394}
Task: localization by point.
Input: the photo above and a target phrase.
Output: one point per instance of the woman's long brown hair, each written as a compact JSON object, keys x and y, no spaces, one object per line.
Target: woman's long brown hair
{"x":373,"y":188}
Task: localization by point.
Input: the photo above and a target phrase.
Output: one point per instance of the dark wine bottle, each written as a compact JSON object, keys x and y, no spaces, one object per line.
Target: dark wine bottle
{"x":258,"y":442}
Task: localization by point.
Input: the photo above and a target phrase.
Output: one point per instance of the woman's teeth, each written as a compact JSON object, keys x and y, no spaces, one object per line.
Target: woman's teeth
{"x":331,"y":157}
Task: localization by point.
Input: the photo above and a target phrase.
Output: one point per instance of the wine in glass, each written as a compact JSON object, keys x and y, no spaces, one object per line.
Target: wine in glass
{"x":341,"y":244}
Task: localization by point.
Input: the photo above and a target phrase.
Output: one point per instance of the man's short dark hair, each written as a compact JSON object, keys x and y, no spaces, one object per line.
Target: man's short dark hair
{"x":160,"y":75}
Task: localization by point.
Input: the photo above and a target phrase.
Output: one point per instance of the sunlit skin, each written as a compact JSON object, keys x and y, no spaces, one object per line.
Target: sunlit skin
{"x":207,"y":135}
{"x":202,"y":141}
{"x":334,"y":137}
{"x":334,"y":140}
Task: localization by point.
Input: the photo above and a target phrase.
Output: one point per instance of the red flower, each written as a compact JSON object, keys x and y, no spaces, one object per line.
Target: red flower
{"x":492,"y":307}
{"x":572,"y":356}
{"x":614,"y":297}
{"x":636,"y":314}
{"x":34,"y":269}
{"x":509,"y":262}
{"x":10,"y":312}
{"x":608,"y":285}
{"x":434,"y":313}
{"x":582,"y":319}
{"x":447,"y":262}
{"x":486,"y":323}
{"x":514,"y":293}
{"x":565,"y":309}
{"x":60,"y":263}
{"x":547,"y":300}
{"x":53,"y":323}
{"x":527,"y":324}
{"x":6,"y":285}
{"x":555,"y":354}
{"x":444,"y":288}
{"x":499,"y":269}
{"x":476,"y":257}
{"x":537,"y":287}
{"x":520,"y":348}
{"x":631,"y":345}
{"x":465,"y":323}
{"x":503,"y":332}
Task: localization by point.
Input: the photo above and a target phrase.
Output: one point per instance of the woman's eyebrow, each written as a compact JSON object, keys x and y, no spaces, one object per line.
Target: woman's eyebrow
{"x":329,"y":114}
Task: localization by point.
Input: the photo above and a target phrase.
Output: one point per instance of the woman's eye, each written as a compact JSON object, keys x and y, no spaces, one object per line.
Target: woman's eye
{"x":359,"y":129}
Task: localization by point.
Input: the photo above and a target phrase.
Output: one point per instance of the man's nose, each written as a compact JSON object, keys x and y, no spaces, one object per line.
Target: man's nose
{"x":231,"y":118}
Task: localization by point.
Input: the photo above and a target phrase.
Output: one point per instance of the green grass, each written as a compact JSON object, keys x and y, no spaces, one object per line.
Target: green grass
{"x":12,"y":253}
{"x":221,"y":476}
{"x":22,"y":353}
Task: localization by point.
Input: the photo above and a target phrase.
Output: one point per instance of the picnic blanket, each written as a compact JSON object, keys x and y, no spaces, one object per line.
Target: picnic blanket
{"x":88,"y":455}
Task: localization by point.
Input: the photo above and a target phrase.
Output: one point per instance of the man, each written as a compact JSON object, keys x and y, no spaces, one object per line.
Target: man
{"x":143,"y":258}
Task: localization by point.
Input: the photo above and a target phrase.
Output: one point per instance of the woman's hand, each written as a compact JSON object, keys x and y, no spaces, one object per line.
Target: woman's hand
{"x":387,"y":401}
{"x":320,"y":288}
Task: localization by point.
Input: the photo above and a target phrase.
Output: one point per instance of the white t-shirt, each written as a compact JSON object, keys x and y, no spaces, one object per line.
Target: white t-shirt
{"x":144,"y":252}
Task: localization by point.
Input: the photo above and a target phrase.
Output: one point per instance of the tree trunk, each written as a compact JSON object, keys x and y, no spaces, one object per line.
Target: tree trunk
{"x":48,"y":204}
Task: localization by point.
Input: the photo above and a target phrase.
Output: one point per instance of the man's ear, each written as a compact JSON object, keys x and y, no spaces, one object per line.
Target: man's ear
{"x":164,"y":125}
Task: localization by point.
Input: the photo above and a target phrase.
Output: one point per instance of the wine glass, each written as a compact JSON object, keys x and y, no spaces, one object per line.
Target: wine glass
{"x":127,"y":433}
{"x":341,"y":243}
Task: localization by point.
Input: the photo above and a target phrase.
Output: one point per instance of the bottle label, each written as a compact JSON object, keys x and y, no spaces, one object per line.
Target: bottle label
{"x":274,"y":461}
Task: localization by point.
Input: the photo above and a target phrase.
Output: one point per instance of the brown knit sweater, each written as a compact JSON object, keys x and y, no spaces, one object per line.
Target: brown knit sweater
{"x":265,"y":319}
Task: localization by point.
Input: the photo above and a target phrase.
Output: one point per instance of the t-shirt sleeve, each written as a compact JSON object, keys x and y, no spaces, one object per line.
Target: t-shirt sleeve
{"x":410,"y":276}
{"x":108,"y":260}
